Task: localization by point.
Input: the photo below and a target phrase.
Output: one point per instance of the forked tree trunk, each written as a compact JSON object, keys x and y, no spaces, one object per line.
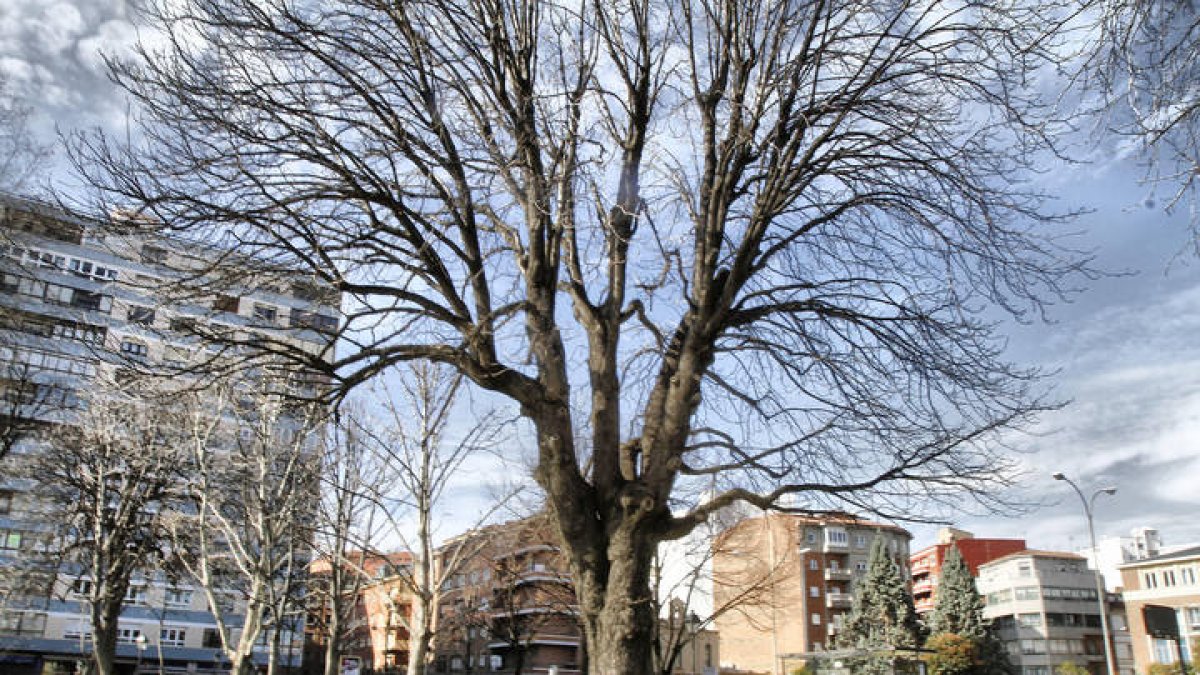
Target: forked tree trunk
{"x":619,"y":629}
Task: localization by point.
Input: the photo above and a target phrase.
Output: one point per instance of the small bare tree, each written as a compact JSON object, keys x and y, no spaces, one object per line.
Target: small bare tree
{"x":347,"y":527}
{"x":108,"y":477}
{"x":423,"y":453}
{"x":252,"y":489}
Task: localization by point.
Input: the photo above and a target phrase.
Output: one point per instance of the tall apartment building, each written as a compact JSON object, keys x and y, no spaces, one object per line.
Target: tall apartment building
{"x":510,"y":602}
{"x":1170,"y":580}
{"x":789,"y":581}
{"x":926,"y":564}
{"x":1044,"y":607}
{"x":76,"y":306}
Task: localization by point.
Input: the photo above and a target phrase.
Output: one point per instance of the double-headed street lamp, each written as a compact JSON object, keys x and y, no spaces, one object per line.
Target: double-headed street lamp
{"x":1089,"y":505}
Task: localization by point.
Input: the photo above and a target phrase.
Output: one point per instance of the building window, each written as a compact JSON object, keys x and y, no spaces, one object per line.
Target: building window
{"x":135,"y":594}
{"x":1150,"y":580}
{"x":134,"y":349}
{"x":860,"y":566}
{"x":813,"y":564}
{"x":814,"y":591}
{"x":1168,"y":577}
{"x":154,"y":255}
{"x":6,"y":497}
{"x":226,"y":303}
{"x":816,"y":619}
{"x":1024,"y":569}
{"x":860,"y":541}
{"x":265,"y":313}
{"x":142,"y":316}
{"x":810,"y":537}
{"x":833,"y":565}
{"x":178,"y":597}
{"x":1027,"y":593}
{"x":172,"y":637}
{"x":1029,"y":620}
{"x":708,"y":662}
{"x":81,"y":587}
{"x":835,"y":536}
{"x":1187,"y":575}
{"x":128,"y":635}
{"x":10,"y":540}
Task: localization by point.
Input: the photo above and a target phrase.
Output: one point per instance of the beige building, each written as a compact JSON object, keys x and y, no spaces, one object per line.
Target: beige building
{"x":1044,"y":607}
{"x":782,"y":584}
{"x":1170,"y":580}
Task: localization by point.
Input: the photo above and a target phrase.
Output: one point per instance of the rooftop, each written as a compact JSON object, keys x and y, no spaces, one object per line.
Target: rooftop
{"x":1182,"y":554}
{"x":1035,"y":553}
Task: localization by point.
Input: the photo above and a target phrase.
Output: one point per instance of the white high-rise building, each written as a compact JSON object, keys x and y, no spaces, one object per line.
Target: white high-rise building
{"x":75,"y":303}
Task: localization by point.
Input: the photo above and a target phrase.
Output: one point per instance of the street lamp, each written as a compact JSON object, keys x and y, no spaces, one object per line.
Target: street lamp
{"x":140,"y":641}
{"x":1089,"y":506}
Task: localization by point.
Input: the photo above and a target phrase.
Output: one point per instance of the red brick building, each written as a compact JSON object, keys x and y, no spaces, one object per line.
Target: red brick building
{"x":926,"y":564}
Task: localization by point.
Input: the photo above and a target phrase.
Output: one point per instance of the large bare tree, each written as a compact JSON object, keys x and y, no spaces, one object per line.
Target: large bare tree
{"x":1141,"y":60}
{"x":21,"y":155}
{"x":716,"y":251}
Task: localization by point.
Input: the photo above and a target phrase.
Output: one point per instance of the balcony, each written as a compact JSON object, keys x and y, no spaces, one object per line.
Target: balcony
{"x":839,"y":575}
{"x":838,"y":600}
{"x":832,"y":546}
{"x":922,"y":586}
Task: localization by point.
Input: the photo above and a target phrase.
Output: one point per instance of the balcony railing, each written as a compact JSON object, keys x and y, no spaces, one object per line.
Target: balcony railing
{"x":839,"y":575}
{"x":838,"y":600}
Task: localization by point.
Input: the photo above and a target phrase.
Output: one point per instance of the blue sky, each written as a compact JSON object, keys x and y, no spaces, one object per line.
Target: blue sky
{"x":1125,"y":350}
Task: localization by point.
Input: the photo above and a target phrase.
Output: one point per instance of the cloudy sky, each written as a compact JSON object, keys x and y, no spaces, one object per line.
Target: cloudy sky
{"x":1126,"y":350}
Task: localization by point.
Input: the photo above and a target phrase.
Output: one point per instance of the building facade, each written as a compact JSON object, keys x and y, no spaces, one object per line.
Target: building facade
{"x":77,"y":306}
{"x":1169,"y":580}
{"x":374,"y":632}
{"x":783,"y":584}
{"x":508,"y":602}
{"x":1044,"y":608}
{"x":926,"y":564}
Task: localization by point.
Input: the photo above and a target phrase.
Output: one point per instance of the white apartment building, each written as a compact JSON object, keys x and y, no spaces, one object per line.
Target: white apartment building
{"x":1112,"y":552}
{"x":75,"y":303}
{"x":1044,"y":607}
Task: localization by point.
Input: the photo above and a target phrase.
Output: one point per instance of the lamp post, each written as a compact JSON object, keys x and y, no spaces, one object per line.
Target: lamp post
{"x":692,"y":625}
{"x":140,"y":641}
{"x":1089,"y":506}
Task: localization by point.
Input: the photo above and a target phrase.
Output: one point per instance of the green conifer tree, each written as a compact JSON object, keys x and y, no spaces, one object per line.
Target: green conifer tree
{"x":882,"y":616}
{"x":959,"y":608}
{"x":959,"y":612}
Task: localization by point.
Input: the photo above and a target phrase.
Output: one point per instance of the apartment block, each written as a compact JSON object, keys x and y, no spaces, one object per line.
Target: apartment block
{"x":509,"y":603}
{"x":79,"y":305}
{"x":375,"y":630}
{"x":789,"y":581}
{"x":1169,"y":580}
{"x":926,"y":564}
{"x":1044,"y":607}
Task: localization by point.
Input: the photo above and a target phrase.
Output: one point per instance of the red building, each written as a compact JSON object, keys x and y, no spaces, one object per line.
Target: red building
{"x":926,"y":564}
